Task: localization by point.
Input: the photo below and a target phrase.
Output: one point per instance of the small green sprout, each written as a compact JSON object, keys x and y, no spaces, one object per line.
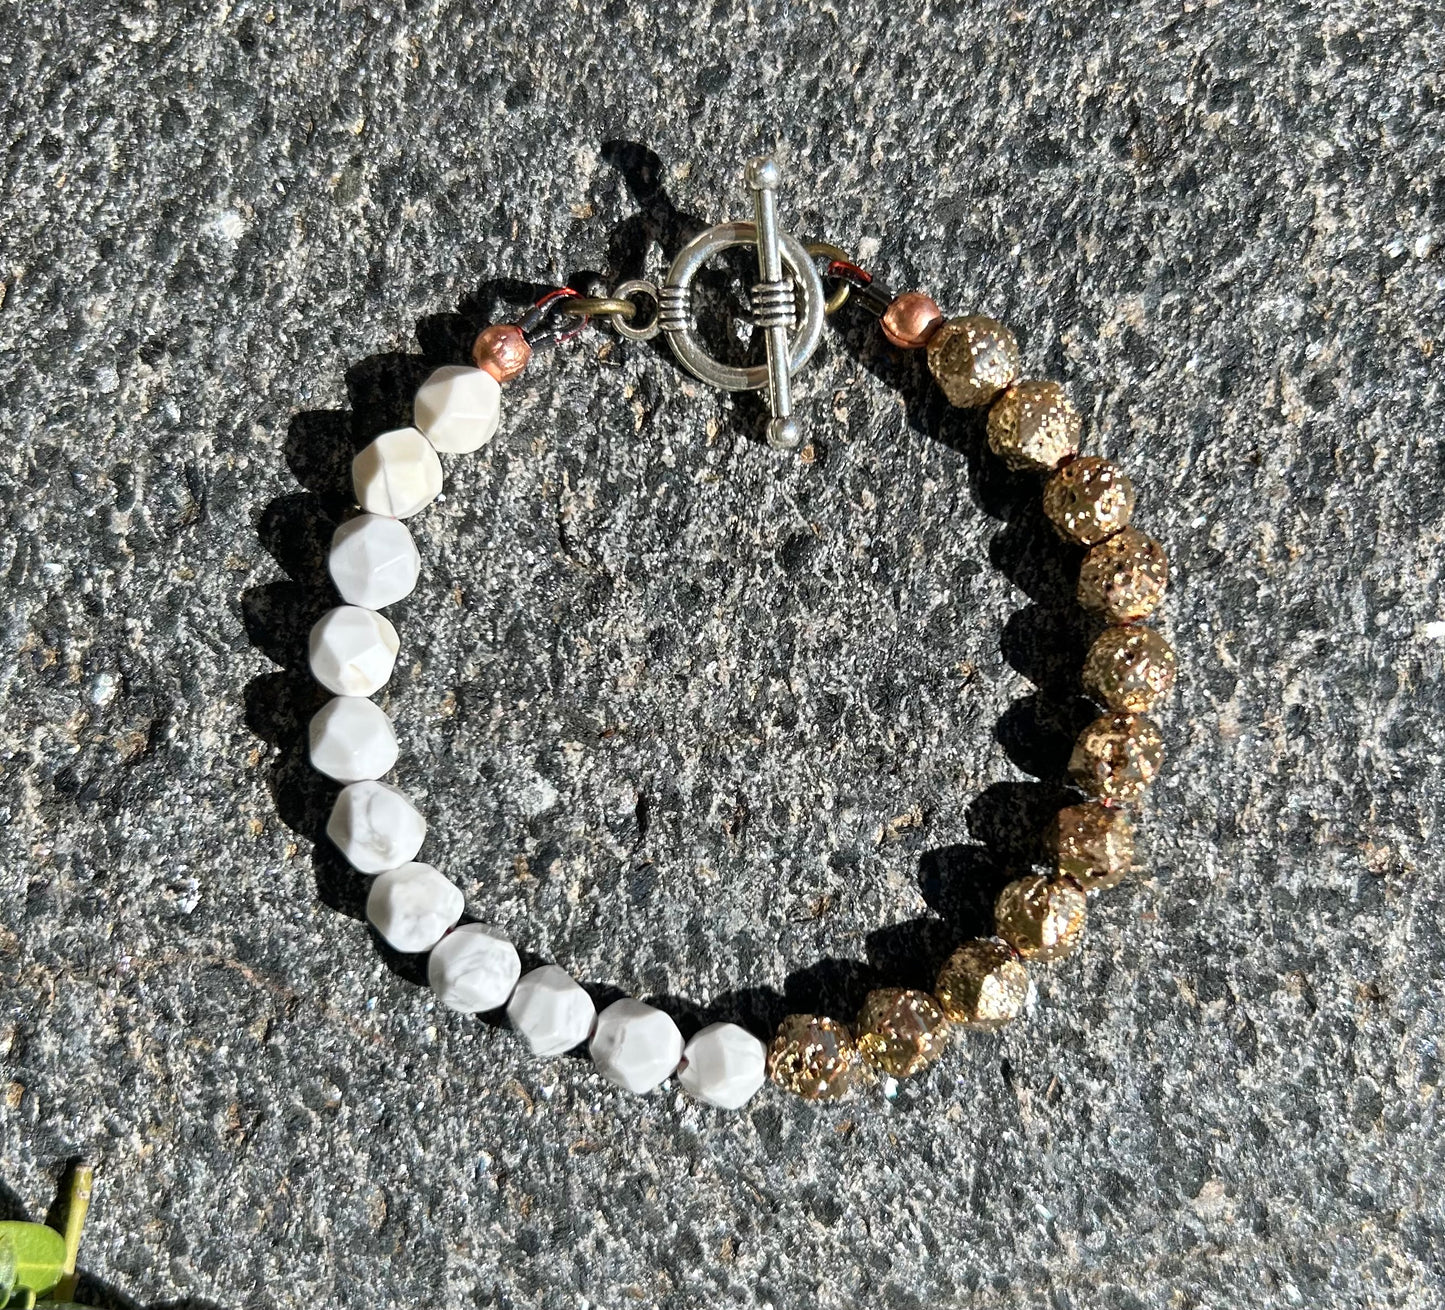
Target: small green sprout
{"x":36,"y":1261}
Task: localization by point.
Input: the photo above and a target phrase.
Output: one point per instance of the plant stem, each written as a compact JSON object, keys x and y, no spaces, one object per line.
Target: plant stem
{"x":81,"y":1179}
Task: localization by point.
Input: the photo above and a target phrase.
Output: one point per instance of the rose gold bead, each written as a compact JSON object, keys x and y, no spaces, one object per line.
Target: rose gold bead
{"x":973,"y":359}
{"x":983,"y":985}
{"x":1117,"y":756}
{"x":1041,"y":918}
{"x":1124,"y":577}
{"x":813,"y":1057}
{"x":911,"y":319}
{"x":1089,"y":499}
{"x":1094,"y":845}
{"x":1034,"y":425}
{"x":1129,"y":668}
{"x":502,"y":351}
{"x":901,"y":1032}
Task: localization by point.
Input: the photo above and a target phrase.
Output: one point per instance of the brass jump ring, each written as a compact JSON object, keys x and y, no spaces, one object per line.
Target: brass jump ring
{"x":597,"y":307}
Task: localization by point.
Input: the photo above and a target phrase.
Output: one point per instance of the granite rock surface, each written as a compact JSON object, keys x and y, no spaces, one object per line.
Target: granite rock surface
{"x":733,"y":732}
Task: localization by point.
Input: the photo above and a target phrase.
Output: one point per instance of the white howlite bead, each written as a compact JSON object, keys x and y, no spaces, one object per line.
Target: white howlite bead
{"x":551,"y":1011}
{"x":458,"y":408}
{"x":635,"y":1045}
{"x":473,"y":969}
{"x":398,"y":474}
{"x":413,"y":906}
{"x":352,"y":739}
{"x":373,"y":561}
{"x":723,"y":1065}
{"x":375,"y":827}
{"x":353,"y":650}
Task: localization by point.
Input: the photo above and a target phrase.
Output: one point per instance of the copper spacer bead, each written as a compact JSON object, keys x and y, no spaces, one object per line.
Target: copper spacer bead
{"x":502,"y":351}
{"x":911,"y":319}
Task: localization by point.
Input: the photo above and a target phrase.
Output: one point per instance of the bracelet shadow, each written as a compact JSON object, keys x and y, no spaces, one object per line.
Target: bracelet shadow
{"x":1045,"y":641}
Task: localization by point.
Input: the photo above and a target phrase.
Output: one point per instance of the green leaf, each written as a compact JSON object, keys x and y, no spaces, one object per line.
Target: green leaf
{"x":7,"y":1267}
{"x":39,"y":1254}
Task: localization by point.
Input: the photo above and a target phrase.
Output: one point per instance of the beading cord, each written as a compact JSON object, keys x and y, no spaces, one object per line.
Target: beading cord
{"x":473,"y":968}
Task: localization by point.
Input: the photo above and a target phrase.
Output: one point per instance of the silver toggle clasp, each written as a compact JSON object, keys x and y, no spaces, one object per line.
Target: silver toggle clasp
{"x":774,"y":301}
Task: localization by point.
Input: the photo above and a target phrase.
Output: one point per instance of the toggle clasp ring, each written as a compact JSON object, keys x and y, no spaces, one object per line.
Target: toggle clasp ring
{"x":683,"y":337}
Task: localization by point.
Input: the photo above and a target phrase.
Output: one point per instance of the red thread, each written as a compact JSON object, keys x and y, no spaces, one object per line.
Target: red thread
{"x":842,"y":268}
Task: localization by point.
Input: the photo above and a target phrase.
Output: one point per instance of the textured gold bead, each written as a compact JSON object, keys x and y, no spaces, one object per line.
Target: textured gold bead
{"x":982,"y":985}
{"x":1117,"y":756}
{"x":813,"y":1056}
{"x":1089,"y":499}
{"x":973,"y":359}
{"x":1129,"y":668}
{"x":1034,"y":425}
{"x":1041,"y":918}
{"x":901,"y":1032}
{"x":1094,"y":845}
{"x":1124,"y":578}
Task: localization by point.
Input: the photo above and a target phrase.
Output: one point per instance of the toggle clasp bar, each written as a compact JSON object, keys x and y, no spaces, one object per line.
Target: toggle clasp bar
{"x":788,"y":310}
{"x":773,"y":302}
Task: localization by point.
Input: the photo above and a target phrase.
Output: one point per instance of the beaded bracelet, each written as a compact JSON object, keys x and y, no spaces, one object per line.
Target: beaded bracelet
{"x":1031,"y":425}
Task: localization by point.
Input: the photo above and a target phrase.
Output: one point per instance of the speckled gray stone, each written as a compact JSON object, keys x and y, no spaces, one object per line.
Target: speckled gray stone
{"x":708,"y":725}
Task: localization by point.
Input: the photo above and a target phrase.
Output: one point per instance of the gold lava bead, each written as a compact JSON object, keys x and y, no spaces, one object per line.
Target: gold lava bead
{"x":1124,"y":577}
{"x":1129,"y":668}
{"x":502,"y":351}
{"x":901,"y":1032}
{"x":814,"y":1057}
{"x":983,"y":985}
{"x":1042,"y":918}
{"x":911,"y":320}
{"x":973,"y":359}
{"x":1034,"y":425}
{"x":1117,"y":756}
{"x":1089,"y":499}
{"x":1094,"y":845}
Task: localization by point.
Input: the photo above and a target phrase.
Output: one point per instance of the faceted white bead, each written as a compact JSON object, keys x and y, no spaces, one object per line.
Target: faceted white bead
{"x":398,"y":474}
{"x":352,"y":739}
{"x":723,"y":1065}
{"x":413,"y":906}
{"x":473,"y":969}
{"x":635,"y":1045}
{"x":375,"y":826}
{"x":373,"y":561}
{"x":458,"y":408}
{"x":353,"y":650}
{"x":551,"y":1011}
